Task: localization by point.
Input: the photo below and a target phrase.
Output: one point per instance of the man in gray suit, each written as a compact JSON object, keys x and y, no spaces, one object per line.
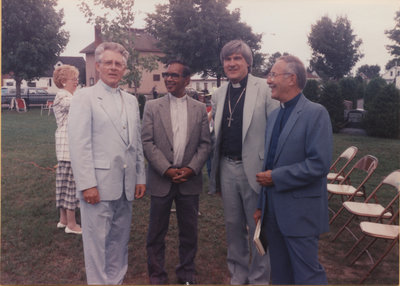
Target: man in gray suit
{"x":108,"y":165}
{"x":293,"y":204}
{"x":241,"y":108}
{"x":176,"y":144}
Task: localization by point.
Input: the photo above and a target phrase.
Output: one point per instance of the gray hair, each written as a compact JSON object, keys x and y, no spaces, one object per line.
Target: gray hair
{"x":98,"y":53}
{"x":295,"y":66}
{"x":239,"y":47}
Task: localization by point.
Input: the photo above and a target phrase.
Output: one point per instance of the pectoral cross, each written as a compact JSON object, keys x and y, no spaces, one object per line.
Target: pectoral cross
{"x":230,"y":119}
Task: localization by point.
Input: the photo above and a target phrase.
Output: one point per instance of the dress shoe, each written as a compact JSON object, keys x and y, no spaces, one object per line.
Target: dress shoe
{"x":68,"y":230}
{"x":60,"y":225}
{"x":186,"y":282}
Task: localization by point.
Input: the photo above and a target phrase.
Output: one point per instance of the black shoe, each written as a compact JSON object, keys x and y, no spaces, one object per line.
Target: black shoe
{"x":192,"y":282}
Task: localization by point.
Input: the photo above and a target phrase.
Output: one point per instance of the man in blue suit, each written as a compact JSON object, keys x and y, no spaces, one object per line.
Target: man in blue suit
{"x":108,"y":165}
{"x":293,"y":204}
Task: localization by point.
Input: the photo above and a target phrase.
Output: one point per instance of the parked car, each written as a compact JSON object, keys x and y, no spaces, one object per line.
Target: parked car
{"x":33,"y":96}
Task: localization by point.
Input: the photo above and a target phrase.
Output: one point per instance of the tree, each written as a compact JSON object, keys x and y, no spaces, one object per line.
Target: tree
{"x":335,"y":47}
{"x":32,"y":38}
{"x":332,"y":99}
{"x":394,"y":35}
{"x":392,"y":63}
{"x":372,"y":90}
{"x":196,"y":30}
{"x":312,"y":90}
{"x":117,"y":25}
{"x":371,"y":71}
{"x":382,"y":119}
{"x":272,"y":59}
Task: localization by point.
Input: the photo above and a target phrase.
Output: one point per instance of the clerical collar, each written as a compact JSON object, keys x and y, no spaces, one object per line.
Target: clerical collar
{"x":291,"y":102}
{"x":109,"y":88}
{"x":177,"y":99}
{"x":240,"y":84}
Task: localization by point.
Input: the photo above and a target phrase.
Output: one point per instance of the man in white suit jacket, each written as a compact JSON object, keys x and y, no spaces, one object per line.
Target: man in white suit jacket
{"x":108,"y":165}
{"x":240,"y":108}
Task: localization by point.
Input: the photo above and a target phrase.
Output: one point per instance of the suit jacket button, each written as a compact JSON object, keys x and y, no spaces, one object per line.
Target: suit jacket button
{"x":125,"y":166}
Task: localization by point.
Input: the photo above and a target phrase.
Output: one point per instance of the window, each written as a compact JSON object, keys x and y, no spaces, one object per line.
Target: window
{"x":206,"y":86}
{"x":391,"y":73}
{"x":197,"y":86}
{"x":49,"y":81}
{"x":32,"y":84}
{"x":156,"y":77}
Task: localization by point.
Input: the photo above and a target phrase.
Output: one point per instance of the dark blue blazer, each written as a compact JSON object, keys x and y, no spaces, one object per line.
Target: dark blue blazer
{"x":301,"y":163}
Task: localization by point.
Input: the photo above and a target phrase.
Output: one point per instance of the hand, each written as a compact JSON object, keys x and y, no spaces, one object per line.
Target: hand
{"x":265,"y":178}
{"x":257,"y":215}
{"x":91,"y":195}
{"x":183,"y":175}
{"x":171,"y":172}
{"x":140,"y":189}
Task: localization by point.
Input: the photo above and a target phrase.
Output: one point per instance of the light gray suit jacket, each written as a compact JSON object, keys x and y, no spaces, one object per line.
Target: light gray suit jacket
{"x":258,"y":105}
{"x":157,"y":138}
{"x":101,"y":155}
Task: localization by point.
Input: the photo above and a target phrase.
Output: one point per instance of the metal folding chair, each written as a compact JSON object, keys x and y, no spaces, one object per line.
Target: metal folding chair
{"x":388,"y":231}
{"x":366,"y":166}
{"x":48,"y":106}
{"x":368,"y":208}
{"x":337,"y":173}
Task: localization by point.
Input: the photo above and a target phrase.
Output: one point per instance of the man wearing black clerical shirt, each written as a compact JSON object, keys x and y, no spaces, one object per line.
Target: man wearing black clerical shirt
{"x":240,"y":110}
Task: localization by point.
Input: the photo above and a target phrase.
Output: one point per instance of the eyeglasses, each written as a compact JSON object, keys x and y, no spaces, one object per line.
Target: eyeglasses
{"x":73,"y":79}
{"x":109,"y":64}
{"x":273,"y":75}
{"x":172,"y":74}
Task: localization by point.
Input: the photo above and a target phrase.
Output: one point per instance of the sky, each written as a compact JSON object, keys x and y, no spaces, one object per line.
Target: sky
{"x":285,"y":24}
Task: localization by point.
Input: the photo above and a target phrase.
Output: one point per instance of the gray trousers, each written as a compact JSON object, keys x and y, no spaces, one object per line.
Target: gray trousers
{"x":105,"y":232}
{"x":240,"y":203}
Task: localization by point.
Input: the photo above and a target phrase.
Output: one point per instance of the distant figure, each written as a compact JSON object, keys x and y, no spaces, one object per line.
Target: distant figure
{"x":66,"y":79}
{"x":176,"y":144}
{"x":293,"y":203}
{"x":154,"y":92}
{"x":108,"y":164}
{"x":240,"y":107}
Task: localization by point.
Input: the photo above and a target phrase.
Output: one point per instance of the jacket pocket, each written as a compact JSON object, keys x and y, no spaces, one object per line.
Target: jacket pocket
{"x":102,"y":164}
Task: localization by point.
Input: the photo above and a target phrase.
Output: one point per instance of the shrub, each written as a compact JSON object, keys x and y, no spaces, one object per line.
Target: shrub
{"x":372,"y":90}
{"x":332,"y":99}
{"x":312,"y":90}
{"x":382,"y":119}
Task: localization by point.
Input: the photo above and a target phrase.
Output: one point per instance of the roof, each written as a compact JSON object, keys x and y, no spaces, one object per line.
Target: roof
{"x":78,"y":62}
{"x":144,"y":42}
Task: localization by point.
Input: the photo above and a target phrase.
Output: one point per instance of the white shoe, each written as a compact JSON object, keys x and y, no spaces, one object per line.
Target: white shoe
{"x":60,"y":225}
{"x":68,"y":230}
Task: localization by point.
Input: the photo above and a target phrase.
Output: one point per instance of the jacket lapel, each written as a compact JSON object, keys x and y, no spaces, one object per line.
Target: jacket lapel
{"x":165,"y":114}
{"x":249,"y":104}
{"x":220,"y":109}
{"x":191,"y":118}
{"x":294,"y":116}
{"x":131,"y":118}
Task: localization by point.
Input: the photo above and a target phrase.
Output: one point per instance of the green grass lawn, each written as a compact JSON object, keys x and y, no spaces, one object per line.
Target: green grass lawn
{"x":34,"y":251}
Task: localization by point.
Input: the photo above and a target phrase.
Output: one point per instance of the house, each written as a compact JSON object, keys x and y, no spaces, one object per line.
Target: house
{"x":393,"y":76}
{"x":46,"y":80}
{"x":208,"y":83}
{"x":146,"y":45}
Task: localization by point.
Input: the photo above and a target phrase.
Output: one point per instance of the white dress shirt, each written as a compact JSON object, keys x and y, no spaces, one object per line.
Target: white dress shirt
{"x":178,"y":107}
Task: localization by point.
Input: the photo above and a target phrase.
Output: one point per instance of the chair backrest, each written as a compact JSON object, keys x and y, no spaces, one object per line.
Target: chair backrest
{"x":49,"y":103}
{"x":368,"y":164}
{"x":393,"y":179}
{"x":20,"y":102}
{"x":347,"y":156}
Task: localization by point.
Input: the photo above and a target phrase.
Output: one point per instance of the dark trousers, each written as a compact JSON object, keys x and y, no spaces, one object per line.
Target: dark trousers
{"x":294,"y":260}
{"x":187,"y":207}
